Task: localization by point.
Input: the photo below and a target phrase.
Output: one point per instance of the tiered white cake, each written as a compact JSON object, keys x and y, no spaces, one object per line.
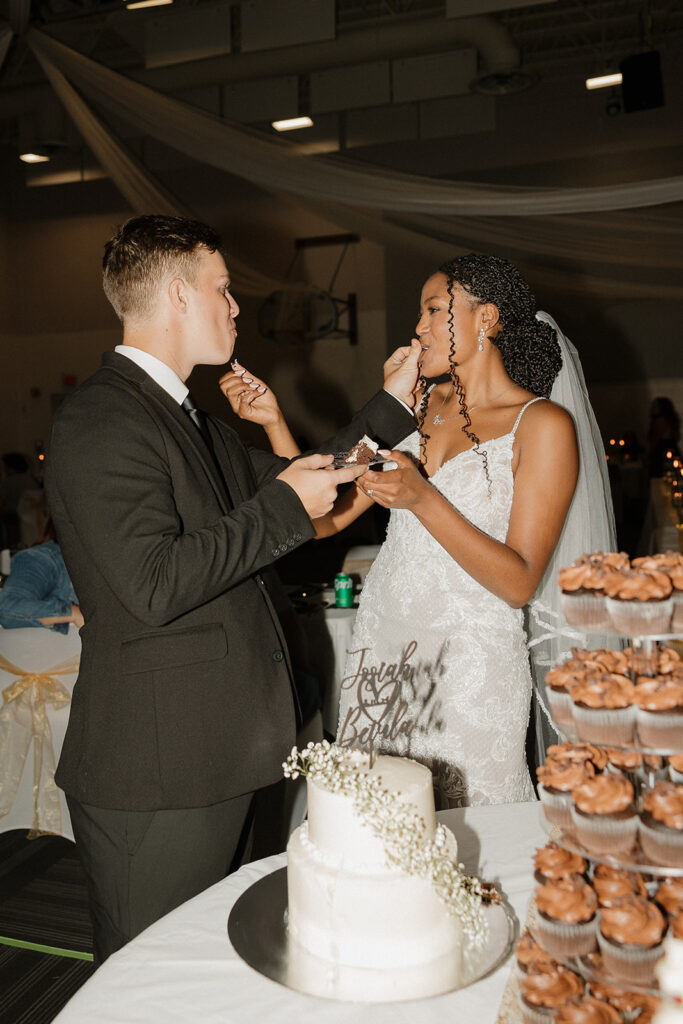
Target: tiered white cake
{"x":347,"y":904}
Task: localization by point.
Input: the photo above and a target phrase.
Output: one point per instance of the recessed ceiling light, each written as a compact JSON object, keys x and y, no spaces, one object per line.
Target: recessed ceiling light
{"x":290,"y":123}
{"x":602,"y":81}
{"x":34,"y":158}
{"x":147,"y":3}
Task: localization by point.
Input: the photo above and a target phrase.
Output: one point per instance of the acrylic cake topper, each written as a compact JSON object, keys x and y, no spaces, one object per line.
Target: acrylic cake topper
{"x":381,"y":715}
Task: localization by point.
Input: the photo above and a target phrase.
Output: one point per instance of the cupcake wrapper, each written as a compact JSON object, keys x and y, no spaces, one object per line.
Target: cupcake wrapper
{"x":563,"y":939}
{"x":561,"y":706}
{"x":629,"y":963}
{"x":660,"y":729}
{"x":557,"y":807}
{"x":677,"y":618}
{"x":613,"y":726}
{"x":640,"y":618}
{"x":535,"y":1014}
{"x":663,"y":846}
{"x":601,"y":833}
{"x":586,"y":611}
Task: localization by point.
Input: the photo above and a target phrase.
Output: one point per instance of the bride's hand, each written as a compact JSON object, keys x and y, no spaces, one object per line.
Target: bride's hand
{"x":402,"y":371}
{"x":403,"y":487}
{"x":249,"y":397}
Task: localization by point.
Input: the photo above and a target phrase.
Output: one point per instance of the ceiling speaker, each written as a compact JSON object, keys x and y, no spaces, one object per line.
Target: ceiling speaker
{"x":641,"y":87}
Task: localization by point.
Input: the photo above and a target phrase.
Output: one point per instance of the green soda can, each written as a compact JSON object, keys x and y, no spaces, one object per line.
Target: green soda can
{"x":343,"y":590}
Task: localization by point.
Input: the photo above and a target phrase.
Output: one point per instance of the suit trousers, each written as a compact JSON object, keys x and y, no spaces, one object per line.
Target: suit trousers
{"x":139,"y":865}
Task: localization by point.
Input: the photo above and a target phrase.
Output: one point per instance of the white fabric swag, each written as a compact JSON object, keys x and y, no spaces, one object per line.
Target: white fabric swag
{"x":276,"y":163}
{"x":135,"y":183}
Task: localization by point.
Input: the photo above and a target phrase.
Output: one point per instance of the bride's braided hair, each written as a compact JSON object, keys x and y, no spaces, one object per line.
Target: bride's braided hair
{"x":531,"y":354}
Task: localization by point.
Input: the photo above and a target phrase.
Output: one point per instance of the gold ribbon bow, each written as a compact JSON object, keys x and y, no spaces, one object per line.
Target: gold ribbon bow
{"x":23,"y":719}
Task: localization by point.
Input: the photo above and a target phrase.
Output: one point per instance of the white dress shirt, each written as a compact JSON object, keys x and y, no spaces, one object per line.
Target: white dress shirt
{"x":164,"y":376}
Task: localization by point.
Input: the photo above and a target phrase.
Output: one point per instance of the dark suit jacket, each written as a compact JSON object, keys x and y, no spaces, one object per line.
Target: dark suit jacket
{"x":183,"y":697}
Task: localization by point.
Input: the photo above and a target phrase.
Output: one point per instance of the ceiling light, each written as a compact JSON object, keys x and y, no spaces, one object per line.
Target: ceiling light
{"x":147,"y":3}
{"x":290,"y":123}
{"x":602,"y":81}
{"x":34,"y":158}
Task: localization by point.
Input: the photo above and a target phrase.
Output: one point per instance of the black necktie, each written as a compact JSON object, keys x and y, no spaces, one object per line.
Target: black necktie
{"x":199,"y":420}
{"x":197,"y":417}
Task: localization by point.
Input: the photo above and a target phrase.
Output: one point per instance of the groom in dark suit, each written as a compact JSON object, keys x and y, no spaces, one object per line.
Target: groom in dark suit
{"x":183,"y":705}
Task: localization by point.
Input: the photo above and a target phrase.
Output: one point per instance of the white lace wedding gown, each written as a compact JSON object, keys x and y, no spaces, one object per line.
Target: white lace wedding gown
{"x":467,"y":683}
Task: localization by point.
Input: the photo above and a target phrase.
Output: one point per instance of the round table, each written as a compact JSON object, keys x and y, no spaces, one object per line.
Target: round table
{"x":183,"y":969}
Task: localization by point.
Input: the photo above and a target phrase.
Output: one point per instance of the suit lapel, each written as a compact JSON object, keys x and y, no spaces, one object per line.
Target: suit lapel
{"x":192,"y":439}
{"x":226,"y":462}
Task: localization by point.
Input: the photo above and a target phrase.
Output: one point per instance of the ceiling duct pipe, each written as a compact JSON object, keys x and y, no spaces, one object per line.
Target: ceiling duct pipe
{"x":498,"y":52}
{"x":498,"y":56}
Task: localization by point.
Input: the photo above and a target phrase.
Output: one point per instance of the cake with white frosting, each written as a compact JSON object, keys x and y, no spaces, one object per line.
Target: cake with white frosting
{"x":372,"y":880}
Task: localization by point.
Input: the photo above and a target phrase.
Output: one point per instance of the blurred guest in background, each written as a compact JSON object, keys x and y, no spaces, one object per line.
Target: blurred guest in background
{"x":38,"y":591}
{"x":663,"y":435}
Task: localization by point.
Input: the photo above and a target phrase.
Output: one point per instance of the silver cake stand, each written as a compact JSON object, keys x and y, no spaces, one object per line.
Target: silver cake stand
{"x":257,"y":928}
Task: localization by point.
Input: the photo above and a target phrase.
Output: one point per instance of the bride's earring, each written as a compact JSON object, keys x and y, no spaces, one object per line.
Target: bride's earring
{"x":482,"y":335}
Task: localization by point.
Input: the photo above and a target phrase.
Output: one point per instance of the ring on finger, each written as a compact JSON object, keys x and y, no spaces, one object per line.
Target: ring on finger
{"x":370,"y":492}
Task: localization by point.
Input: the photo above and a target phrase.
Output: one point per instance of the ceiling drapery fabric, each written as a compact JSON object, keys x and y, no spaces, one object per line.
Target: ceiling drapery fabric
{"x":5,"y":39}
{"x":277,"y":164}
{"x":137,"y":185}
{"x":19,"y":15}
{"x":554,"y":274}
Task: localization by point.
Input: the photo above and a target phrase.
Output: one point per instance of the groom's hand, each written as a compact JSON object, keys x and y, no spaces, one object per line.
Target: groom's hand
{"x":315,"y":483}
{"x":401,"y":372}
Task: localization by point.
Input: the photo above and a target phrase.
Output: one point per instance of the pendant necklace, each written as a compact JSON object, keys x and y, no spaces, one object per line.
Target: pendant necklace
{"x":438,"y":419}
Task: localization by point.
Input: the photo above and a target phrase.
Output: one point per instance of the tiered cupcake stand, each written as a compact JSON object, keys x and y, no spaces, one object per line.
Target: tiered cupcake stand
{"x":589,"y":967}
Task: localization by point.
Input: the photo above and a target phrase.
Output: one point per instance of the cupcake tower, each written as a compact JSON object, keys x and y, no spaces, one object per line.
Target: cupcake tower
{"x":610,"y":883}
{"x":612,"y":593}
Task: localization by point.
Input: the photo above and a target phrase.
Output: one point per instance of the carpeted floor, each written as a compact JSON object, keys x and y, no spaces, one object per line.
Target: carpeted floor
{"x":42,"y":903}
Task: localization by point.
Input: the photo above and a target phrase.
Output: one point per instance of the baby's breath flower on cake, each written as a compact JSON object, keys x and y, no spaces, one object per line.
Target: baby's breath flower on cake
{"x":400,"y":828}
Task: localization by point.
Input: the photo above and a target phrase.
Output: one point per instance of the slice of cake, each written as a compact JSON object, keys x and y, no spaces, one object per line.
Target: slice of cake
{"x":362,"y":453}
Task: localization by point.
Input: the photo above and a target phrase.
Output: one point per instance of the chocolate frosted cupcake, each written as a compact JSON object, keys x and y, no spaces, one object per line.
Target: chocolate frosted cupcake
{"x":544,"y":990}
{"x":558,"y":686}
{"x":661,"y":824}
{"x":620,"y":759}
{"x":631,"y":1004}
{"x":553,"y":862}
{"x":556,"y":782}
{"x":613,"y":884}
{"x":659,"y":711}
{"x":566,"y":916}
{"x":662,"y":561}
{"x":603,"y":709}
{"x":630,"y":935}
{"x":669,"y":896}
{"x":662,"y":661}
{"x":577,"y":752}
{"x":601,"y":659}
{"x":529,"y":954}
{"x":604,"y":814}
{"x":639,"y":601}
{"x":587,"y":1010}
{"x":583,"y":594}
{"x":676,"y":768}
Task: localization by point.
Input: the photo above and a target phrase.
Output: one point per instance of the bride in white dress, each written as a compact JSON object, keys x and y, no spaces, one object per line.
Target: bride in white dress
{"x":439,"y":665}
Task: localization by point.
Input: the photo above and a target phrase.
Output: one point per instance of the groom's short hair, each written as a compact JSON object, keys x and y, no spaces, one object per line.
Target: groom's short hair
{"x":147,"y":251}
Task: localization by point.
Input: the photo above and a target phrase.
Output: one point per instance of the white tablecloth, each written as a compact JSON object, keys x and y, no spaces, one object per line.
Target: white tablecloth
{"x":183,"y":969}
{"x":329,"y":634}
{"x":37,"y":649}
